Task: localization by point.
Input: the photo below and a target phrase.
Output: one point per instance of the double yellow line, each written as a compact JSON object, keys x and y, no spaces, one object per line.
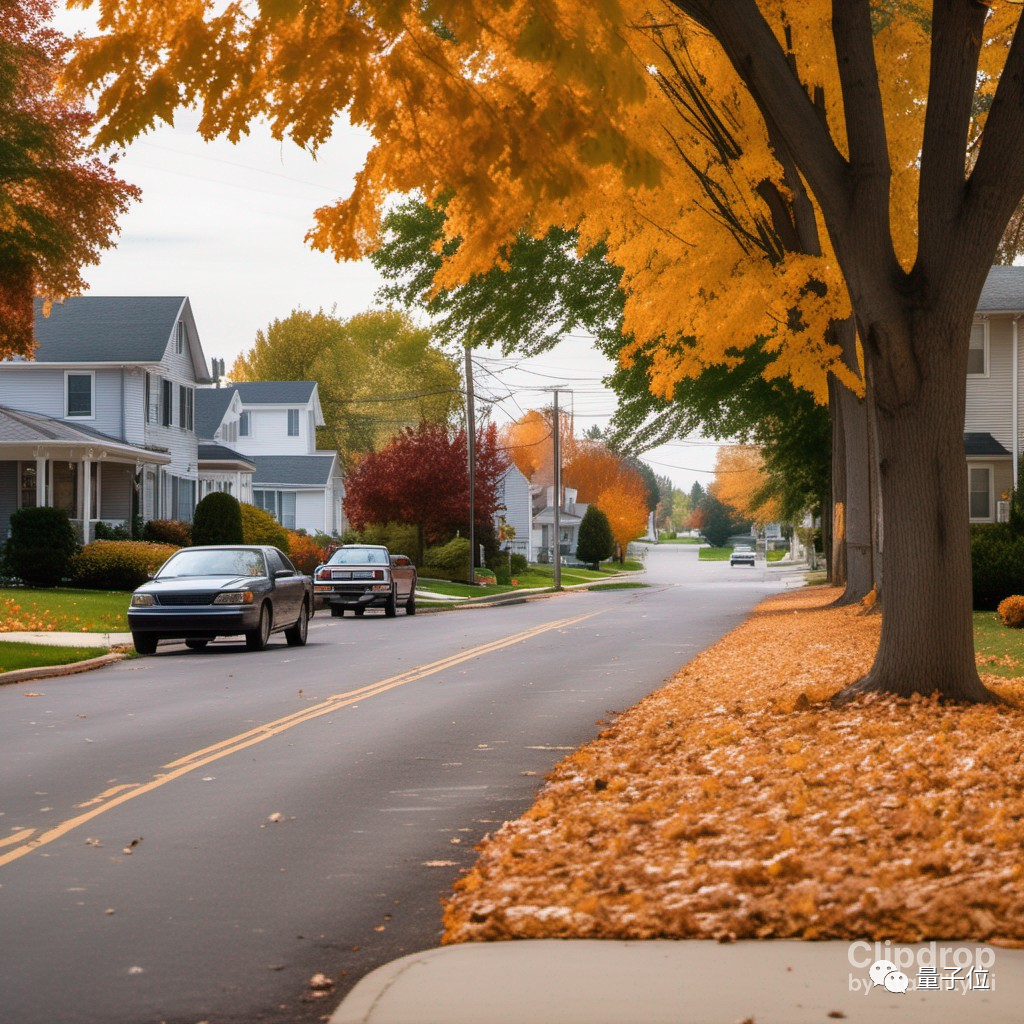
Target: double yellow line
{"x":117,"y":795}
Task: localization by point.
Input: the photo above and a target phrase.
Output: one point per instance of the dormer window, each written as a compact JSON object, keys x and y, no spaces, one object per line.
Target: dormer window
{"x":78,"y":395}
{"x":293,"y":422}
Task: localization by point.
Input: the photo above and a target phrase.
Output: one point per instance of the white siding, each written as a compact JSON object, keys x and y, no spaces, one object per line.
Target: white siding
{"x":39,"y":389}
{"x":514,"y":494}
{"x":268,"y":432}
{"x":309,"y":511}
{"x":134,"y":406}
{"x":989,"y":398}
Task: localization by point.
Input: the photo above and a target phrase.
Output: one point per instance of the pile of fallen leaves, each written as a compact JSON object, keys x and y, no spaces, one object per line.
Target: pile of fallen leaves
{"x":14,"y":618}
{"x":736,"y":802}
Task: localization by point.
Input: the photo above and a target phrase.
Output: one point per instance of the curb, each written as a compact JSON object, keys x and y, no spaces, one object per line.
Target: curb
{"x":24,"y":675}
{"x":522,"y":596}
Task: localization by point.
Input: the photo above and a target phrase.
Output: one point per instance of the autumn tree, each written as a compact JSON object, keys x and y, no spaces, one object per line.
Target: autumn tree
{"x":529,"y":442}
{"x":742,"y":483}
{"x":557,"y":119}
{"x":421,"y":478}
{"x":58,"y":203}
{"x":377,"y":373}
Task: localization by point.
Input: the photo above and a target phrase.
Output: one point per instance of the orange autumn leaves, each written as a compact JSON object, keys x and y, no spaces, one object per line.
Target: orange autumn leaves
{"x":742,"y":483}
{"x":734,"y":802}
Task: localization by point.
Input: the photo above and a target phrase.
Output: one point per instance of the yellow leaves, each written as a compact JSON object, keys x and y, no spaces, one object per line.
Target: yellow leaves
{"x":740,"y":480}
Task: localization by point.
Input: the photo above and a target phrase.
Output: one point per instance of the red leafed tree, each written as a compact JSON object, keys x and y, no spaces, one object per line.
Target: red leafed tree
{"x":58,"y":204}
{"x":421,"y":478}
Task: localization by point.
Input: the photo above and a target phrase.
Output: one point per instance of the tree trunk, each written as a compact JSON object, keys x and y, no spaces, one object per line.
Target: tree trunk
{"x":926,"y":559}
{"x":837,"y":556}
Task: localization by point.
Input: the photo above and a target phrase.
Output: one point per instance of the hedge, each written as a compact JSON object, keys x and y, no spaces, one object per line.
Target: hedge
{"x":260,"y":527}
{"x":118,"y":564}
{"x":448,"y":561}
{"x":168,"y":531}
{"x":997,"y":564}
{"x":41,"y":545}
{"x":217,"y":520}
{"x":306,"y":554}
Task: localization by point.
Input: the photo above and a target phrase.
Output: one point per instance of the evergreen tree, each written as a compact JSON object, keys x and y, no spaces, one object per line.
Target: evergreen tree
{"x":217,"y":520}
{"x":595,"y":542}
{"x":719,"y":524}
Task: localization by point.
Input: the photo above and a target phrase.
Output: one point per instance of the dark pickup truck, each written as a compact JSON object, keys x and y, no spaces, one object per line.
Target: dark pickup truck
{"x":361,"y":576}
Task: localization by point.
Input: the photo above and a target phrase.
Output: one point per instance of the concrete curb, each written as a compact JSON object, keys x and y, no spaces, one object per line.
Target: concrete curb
{"x":24,"y":675}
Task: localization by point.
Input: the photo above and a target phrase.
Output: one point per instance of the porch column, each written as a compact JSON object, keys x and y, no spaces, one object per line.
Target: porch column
{"x":40,"y":482}
{"x":86,"y":500}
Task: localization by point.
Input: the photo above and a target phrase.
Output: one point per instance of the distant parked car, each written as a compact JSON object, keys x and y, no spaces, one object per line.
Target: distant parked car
{"x":361,"y":576}
{"x":204,"y":592}
{"x":741,"y":555}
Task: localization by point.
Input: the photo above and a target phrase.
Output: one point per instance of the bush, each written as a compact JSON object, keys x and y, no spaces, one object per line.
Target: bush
{"x":448,"y":561}
{"x":40,"y":546}
{"x":104,"y":532}
{"x":217,"y":520}
{"x":398,"y":538}
{"x":305,"y":553}
{"x":260,"y":527}
{"x":168,"y":531}
{"x":118,"y":564}
{"x":518,"y":564}
{"x":997,"y":564}
{"x":1011,"y":611}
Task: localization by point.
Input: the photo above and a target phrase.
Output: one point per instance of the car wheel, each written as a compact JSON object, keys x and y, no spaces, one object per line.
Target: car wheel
{"x":196,"y":645}
{"x":257,"y":639}
{"x":391,"y":606}
{"x":337,"y":612}
{"x":358,"y":611}
{"x":410,"y":605}
{"x":145,"y":643}
{"x":296,"y":635}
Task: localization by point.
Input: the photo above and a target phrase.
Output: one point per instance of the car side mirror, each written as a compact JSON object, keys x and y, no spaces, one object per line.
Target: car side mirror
{"x":278,"y":573}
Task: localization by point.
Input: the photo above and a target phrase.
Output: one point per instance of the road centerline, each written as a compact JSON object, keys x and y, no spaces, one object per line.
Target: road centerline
{"x":197,"y":759}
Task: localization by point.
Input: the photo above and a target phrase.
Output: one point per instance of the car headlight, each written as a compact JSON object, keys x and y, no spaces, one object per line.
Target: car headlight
{"x":142,"y":600}
{"x":234,"y":597}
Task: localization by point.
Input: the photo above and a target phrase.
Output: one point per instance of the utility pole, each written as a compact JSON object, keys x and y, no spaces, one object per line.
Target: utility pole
{"x":558,"y":496}
{"x":471,"y":446}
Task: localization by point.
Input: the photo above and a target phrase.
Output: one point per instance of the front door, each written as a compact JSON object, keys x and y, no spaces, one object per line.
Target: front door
{"x":65,"y":487}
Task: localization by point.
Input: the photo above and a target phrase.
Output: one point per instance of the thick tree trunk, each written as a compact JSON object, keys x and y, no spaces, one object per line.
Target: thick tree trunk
{"x":837,"y":555}
{"x":927,"y":642}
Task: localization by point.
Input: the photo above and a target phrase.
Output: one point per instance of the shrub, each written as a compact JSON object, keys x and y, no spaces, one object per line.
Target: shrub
{"x":485,"y":576}
{"x":448,"y":561}
{"x":1011,"y":611}
{"x":260,"y":527}
{"x":118,"y":564}
{"x":168,"y":531}
{"x":217,"y":520}
{"x":997,"y":564}
{"x":40,"y":546}
{"x":398,"y":538}
{"x":518,"y":564}
{"x":105,"y":532}
{"x":305,"y":553}
{"x":595,"y":542}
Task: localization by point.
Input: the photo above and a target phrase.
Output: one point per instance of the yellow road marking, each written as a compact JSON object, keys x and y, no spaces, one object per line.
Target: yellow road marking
{"x":16,"y":837}
{"x":110,"y":799}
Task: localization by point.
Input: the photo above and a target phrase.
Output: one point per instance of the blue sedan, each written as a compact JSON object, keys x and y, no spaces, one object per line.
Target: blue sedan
{"x":204,"y":592}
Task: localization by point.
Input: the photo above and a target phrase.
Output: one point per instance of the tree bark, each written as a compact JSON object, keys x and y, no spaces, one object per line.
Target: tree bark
{"x":837,"y":557}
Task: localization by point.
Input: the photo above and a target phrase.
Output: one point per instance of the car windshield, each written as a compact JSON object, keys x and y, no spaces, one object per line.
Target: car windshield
{"x":359,"y":556}
{"x":215,"y":562}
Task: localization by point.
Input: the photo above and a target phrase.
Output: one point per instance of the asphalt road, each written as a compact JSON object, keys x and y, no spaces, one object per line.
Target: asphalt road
{"x":191,"y":837}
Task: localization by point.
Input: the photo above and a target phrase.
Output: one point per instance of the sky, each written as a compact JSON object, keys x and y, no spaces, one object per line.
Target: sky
{"x":225,"y":225}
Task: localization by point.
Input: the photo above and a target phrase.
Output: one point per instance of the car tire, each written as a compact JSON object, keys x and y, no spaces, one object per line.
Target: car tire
{"x":145,"y":643}
{"x":336,"y":612}
{"x":359,"y":611}
{"x":296,"y":635}
{"x":410,"y":605}
{"x":258,"y":638}
{"x":196,"y":645}
{"x":391,"y":605}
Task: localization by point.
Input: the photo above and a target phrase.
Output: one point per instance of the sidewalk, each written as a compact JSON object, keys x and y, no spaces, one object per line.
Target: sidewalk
{"x":54,"y":638}
{"x":576,"y":981}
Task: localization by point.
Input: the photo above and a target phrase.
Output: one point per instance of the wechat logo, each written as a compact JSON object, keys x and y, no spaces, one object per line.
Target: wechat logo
{"x":885,"y":972}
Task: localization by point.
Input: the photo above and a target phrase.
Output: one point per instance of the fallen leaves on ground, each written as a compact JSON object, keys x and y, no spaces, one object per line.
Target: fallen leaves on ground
{"x":735,"y":802}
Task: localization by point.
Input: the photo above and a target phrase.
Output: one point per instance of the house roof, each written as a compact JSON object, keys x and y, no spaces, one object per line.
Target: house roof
{"x":292,"y":470}
{"x":547,"y":515}
{"x":30,"y":428}
{"x":275,"y":392}
{"x":212,"y":452}
{"x":106,"y":328}
{"x":976,"y":444}
{"x":1003,"y":291}
{"x":211,"y":404}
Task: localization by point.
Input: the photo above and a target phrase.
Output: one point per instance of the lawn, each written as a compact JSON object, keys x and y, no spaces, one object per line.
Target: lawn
{"x":75,"y":611}
{"x":999,"y":651}
{"x":680,"y":540}
{"x":14,"y":656}
{"x":536,"y":577}
{"x":714,"y":554}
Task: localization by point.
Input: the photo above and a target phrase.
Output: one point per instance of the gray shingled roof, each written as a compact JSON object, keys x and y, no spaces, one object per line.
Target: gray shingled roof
{"x":983,"y":444}
{"x":1003,"y":291}
{"x":106,"y":329}
{"x":275,"y":392}
{"x":291,"y":470}
{"x":221,"y":453}
{"x":211,"y":404}
{"x":18,"y":427}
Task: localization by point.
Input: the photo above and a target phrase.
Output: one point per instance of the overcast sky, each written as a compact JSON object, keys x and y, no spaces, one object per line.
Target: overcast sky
{"x":225,"y":225}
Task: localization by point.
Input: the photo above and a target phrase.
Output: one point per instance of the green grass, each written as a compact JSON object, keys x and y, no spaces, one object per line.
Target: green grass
{"x":623,"y":585}
{"x":93,"y":611}
{"x":714,"y":554}
{"x":999,"y":650}
{"x":775,"y":556}
{"x":536,"y":577}
{"x":681,"y":540}
{"x":14,"y":656}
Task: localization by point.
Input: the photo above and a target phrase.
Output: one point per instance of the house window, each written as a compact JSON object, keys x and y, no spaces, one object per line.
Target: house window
{"x":280,"y":504}
{"x":293,"y":422}
{"x":186,"y":407}
{"x":980,"y":495}
{"x":977,"y":354}
{"x":183,"y":498}
{"x":78,"y":395}
{"x":166,"y":402}
{"x":179,"y":341}
{"x":244,"y":425}
{"x":152,"y":397}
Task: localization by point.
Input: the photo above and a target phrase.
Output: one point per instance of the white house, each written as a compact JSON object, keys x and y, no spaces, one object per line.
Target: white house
{"x":570,"y":515}
{"x":270,"y":426}
{"x":101,"y":421}
{"x":514,"y":496}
